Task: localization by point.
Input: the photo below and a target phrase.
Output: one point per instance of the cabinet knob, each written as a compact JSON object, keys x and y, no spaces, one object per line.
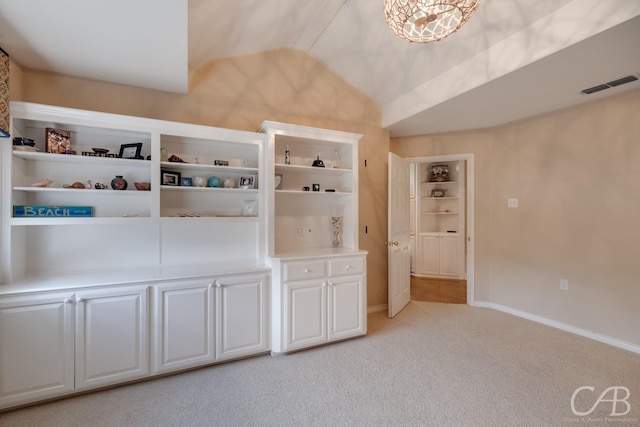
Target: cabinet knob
{"x":347,"y":267}
{"x":306,"y":270}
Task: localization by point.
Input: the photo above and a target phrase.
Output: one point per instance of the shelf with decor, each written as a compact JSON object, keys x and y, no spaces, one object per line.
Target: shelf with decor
{"x":203,"y":168}
{"x":209,"y":175}
{"x":50,"y":181}
{"x":309,"y":193}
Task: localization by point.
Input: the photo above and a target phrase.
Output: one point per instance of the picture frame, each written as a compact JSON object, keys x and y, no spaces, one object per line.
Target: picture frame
{"x":58,"y":141}
{"x":246,"y":182}
{"x":131,"y":151}
{"x":186,"y":181}
{"x":170,"y":178}
{"x":438,"y":192}
{"x":439,"y":173}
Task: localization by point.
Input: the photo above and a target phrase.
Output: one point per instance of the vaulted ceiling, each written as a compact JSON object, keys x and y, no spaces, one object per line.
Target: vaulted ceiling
{"x":513,"y":59}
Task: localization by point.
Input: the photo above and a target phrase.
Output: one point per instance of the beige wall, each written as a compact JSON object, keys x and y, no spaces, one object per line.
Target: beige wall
{"x":15,"y":81}
{"x":239,"y":93}
{"x":576,"y":174}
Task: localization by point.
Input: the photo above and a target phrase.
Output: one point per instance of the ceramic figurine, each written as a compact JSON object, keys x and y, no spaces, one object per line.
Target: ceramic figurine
{"x":317,"y":162}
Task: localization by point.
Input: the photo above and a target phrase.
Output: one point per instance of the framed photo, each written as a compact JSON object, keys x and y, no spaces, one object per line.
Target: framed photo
{"x":439,"y":173}
{"x":58,"y":140}
{"x":170,"y":178}
{"x":246,"y":182}
{"x":130,"y":151}
{"x":186,"y":181}
{"x":439,"y":192}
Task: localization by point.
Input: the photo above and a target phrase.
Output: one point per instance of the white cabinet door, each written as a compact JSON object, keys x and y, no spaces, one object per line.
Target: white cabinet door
{"x":346,"y":308}
{"x":449,"y":256}
{"x":111,"y":336}
{"x":183,"y":332}
{"x":441,"y":255}
{"x":305,"y":314}
{"x":36,"y":351}
{"x":242,"y":323}
{"x":429,"y":255}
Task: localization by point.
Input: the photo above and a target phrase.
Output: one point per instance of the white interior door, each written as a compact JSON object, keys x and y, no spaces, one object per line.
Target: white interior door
{"x":398,"y":235}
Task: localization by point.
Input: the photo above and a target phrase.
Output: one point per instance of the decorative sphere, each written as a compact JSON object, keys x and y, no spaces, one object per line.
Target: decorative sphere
{"x":213,"y":181}
{"x":199,"y":181}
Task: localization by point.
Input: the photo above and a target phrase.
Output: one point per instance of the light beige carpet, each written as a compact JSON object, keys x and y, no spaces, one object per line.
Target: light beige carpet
{"x":433,"y":365}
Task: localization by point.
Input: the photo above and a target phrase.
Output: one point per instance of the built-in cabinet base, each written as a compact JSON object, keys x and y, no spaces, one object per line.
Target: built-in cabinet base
{"x":56,"y":343}
{"x":318,"y":299}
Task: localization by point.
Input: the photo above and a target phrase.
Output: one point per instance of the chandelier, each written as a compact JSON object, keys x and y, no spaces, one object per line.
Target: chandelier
{"x":425,"y":21}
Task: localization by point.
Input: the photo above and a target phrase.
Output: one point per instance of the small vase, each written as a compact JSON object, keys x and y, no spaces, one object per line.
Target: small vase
{"x":119,"y":183}
{"x":336,"y":231}
{"x":337,"y":215}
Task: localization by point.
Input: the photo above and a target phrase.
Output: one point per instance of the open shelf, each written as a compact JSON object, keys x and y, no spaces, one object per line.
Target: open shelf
{"x":209,"y":189}
{"x":129,"y":227}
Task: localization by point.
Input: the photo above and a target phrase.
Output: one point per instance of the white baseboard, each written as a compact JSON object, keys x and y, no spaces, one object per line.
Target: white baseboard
{"x":376,"y":308}
{"x":562,"y":326}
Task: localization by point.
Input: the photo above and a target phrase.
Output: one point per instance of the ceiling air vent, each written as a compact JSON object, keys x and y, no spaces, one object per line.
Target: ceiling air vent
{"x":622,"y":81}
{"x":610,"y":84}
{"x":595,"y":89}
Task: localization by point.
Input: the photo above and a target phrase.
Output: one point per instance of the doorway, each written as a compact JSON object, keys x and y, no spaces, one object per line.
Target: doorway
{"x":453,"y":216}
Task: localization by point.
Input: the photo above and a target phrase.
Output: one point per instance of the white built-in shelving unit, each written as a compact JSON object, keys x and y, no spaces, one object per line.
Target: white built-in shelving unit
{"x":439,"y":220}
{"x":154,"y":281}
{"x":181,"y":275}
{"x":319,"y":290}
{"x":170,"y":225}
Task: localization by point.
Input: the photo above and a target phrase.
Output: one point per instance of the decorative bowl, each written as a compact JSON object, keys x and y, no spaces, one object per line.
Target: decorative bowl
{"x":18,"y":141}
{"x":142,"y":186}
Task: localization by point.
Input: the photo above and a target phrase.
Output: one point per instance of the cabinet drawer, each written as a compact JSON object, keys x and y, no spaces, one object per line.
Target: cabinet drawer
{"x":344,"y":266}
{"x":303,"y":270}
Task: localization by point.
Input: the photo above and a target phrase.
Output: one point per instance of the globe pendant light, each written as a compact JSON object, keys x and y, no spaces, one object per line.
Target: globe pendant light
{"x":425,"y":21}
